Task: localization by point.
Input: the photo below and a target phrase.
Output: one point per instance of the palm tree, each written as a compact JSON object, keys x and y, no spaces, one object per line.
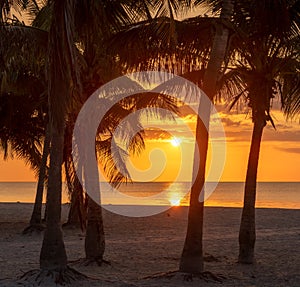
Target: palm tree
{"x":62,"y":83}
{"x":22,"y":132}
{"x":97,"y":60}
{"x":268,"y":65}
{"x":28,"y":65}
{"x":192,"y":255}
{"x":114,"y":15}
{"x":159,"y":53}
{"x":22,"y":94}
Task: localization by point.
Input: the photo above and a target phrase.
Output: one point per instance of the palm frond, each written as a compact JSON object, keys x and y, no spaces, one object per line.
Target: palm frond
{"x":146,"y":46}
{"x":113,"y":159}
{"x":43,"y":17}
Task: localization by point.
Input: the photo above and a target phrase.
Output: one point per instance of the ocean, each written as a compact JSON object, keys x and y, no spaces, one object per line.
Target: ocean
{"x":227,"y":194}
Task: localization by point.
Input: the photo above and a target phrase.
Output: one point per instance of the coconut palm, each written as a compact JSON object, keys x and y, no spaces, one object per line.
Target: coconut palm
{"x":22,"y":87}
{"x":19,"y":38}
{"x":184,"y":55}
{"x":96,"y":73}
{"x":61,"y":85}
{"x":16,"y":65}
{"x":192,"y":255}
{"x":267,"y":65}
{"x":23,"y":135}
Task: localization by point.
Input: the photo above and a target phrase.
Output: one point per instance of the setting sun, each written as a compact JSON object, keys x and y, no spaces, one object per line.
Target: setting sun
{"x":175,"y":141}
{"x":175,"y":201}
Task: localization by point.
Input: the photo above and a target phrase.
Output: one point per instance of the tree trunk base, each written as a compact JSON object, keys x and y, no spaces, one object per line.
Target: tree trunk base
{"x":205,"y":276}
{"x":191,"y":264}
{"x":49,"y":278}
{"x":91,"y":262}
{"x":246,"y":255}
{"x":34,"y":228}
{"x":95,"y":261}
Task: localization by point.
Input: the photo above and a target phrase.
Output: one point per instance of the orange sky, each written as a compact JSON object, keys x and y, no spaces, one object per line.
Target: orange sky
{"x":279,"y":158}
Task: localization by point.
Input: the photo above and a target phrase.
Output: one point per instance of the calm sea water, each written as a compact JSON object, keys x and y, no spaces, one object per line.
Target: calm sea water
{"x":230,"y":194}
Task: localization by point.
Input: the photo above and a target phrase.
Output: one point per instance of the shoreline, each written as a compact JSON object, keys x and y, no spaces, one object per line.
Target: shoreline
{"x":170,"y":206}
{"x":269,"y":195}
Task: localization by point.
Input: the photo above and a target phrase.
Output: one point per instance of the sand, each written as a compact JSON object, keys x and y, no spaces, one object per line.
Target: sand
{"x":139,"y":248}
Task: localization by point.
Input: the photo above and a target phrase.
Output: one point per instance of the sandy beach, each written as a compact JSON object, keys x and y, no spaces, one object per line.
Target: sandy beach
{"x":139,"y":249}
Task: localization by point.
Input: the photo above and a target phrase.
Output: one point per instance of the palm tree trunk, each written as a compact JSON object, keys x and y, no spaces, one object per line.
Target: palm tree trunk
{"x":192,"y":256}
{"x":94,"y":240}
{"x":95,"y":237}
{"x":62,"y":83}
{"x":247,"y":234}
{"x":53,"y":255}
{"x":77,"y":212}
{"x":45,"y":213}
{"x":36,"y":217}
{"x":35,"y":223}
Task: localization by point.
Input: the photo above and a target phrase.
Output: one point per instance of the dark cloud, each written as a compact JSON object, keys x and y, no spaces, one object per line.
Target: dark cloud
{"x":229,"y":122}
{"x":282,"y":136}
{"x":278,"y":127}
{"x":237,"y":136}
{"x":290,"y":149}
{"x":244,"y":134}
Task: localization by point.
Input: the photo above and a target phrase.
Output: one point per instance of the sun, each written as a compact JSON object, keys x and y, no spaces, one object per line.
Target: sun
{"x":174,"y":201}
{"x":175,"y":141}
